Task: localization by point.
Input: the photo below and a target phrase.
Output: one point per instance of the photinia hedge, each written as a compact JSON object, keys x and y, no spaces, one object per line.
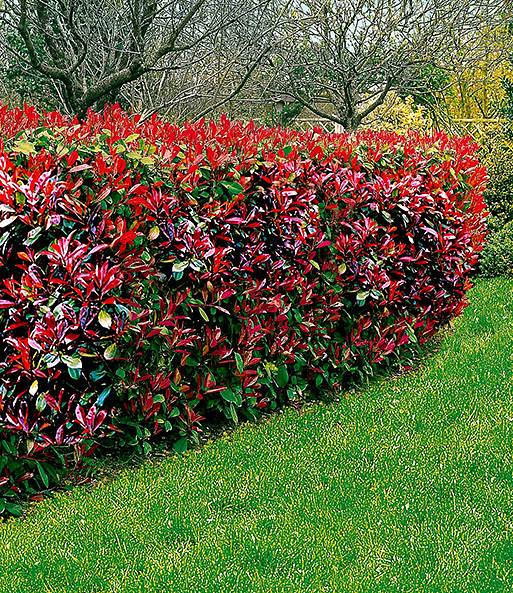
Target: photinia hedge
{"x":154,"y":276}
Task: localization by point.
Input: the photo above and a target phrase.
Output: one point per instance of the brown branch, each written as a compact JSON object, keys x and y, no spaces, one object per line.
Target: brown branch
{"x":239,"y":87}
{"x":169,"y":45}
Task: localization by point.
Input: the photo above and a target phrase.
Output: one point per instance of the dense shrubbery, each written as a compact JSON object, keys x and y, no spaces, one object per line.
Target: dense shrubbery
{"x":497,"y":156}
{"x":399,"y":115}
{"x":497,"y":256}
{"x":153,"y":276}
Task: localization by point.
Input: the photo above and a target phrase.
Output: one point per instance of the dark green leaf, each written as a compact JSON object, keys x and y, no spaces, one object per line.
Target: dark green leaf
{"x":74,"y":373}
{"x":282,"y":377}
{"x":14,"y":509}
{"x":233,"y":414}
{"x":228,"y":395}
{"x":181,"y":445}
{"x":43,"y":474}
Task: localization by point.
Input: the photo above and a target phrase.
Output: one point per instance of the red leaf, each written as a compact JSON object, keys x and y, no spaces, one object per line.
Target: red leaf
{"x":24,"y":477}
{"x":78,"y":168}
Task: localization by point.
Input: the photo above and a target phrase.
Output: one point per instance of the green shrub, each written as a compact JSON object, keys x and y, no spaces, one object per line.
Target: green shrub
{"x":497,"y":256}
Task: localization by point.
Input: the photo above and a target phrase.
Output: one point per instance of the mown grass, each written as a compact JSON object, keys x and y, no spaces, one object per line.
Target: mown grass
{"x":404,"y":486}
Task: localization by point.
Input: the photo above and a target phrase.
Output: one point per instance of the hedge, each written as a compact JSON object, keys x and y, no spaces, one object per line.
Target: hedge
{"x":155,"y":278}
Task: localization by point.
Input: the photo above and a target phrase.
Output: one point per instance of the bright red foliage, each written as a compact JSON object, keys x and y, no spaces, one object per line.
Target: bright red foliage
{"x":153,"y":275}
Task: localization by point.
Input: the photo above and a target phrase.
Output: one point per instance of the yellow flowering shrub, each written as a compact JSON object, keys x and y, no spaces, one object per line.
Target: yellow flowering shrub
{"x":398,"y":115}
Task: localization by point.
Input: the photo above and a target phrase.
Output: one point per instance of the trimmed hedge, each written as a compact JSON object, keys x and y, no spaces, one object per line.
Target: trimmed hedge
{"x":153,"y":276}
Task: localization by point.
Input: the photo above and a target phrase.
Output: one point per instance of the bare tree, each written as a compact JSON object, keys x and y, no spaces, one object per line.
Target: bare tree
{"x":220,"y":81}
{"x":92,"y":49}
{"x":343,"y":57}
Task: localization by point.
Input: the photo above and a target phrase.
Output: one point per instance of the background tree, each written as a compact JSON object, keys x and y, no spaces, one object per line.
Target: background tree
{"x":343,"y":57}
{"x":90,"y":50}
{"x":225,"y":80}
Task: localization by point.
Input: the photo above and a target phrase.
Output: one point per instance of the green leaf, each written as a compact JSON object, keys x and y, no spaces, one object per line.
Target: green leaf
{"x":203,"y":313}
{"x":233,"y":414}
{"x":104,"y":319}
{"x":228,"y":395}
{"x":233,"y":187}
{"x":43,"y":474}
{"x":206,"y":173}
{"x":291,"y":393}
{"x":14,"y":509}
{"x":240,"y":362}
{"x":282,"y":377}
{"x":74,"y":373}
{"x":159,"y":398}
{"x":24,"y":146}
{"x":72,"y":362}
{"x":40,"y":402}
{"x":181,"y":445}
{"x":110,"y":352}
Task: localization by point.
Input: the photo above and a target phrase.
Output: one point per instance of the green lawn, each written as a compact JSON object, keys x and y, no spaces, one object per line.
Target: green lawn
{"x":404,"y":486}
